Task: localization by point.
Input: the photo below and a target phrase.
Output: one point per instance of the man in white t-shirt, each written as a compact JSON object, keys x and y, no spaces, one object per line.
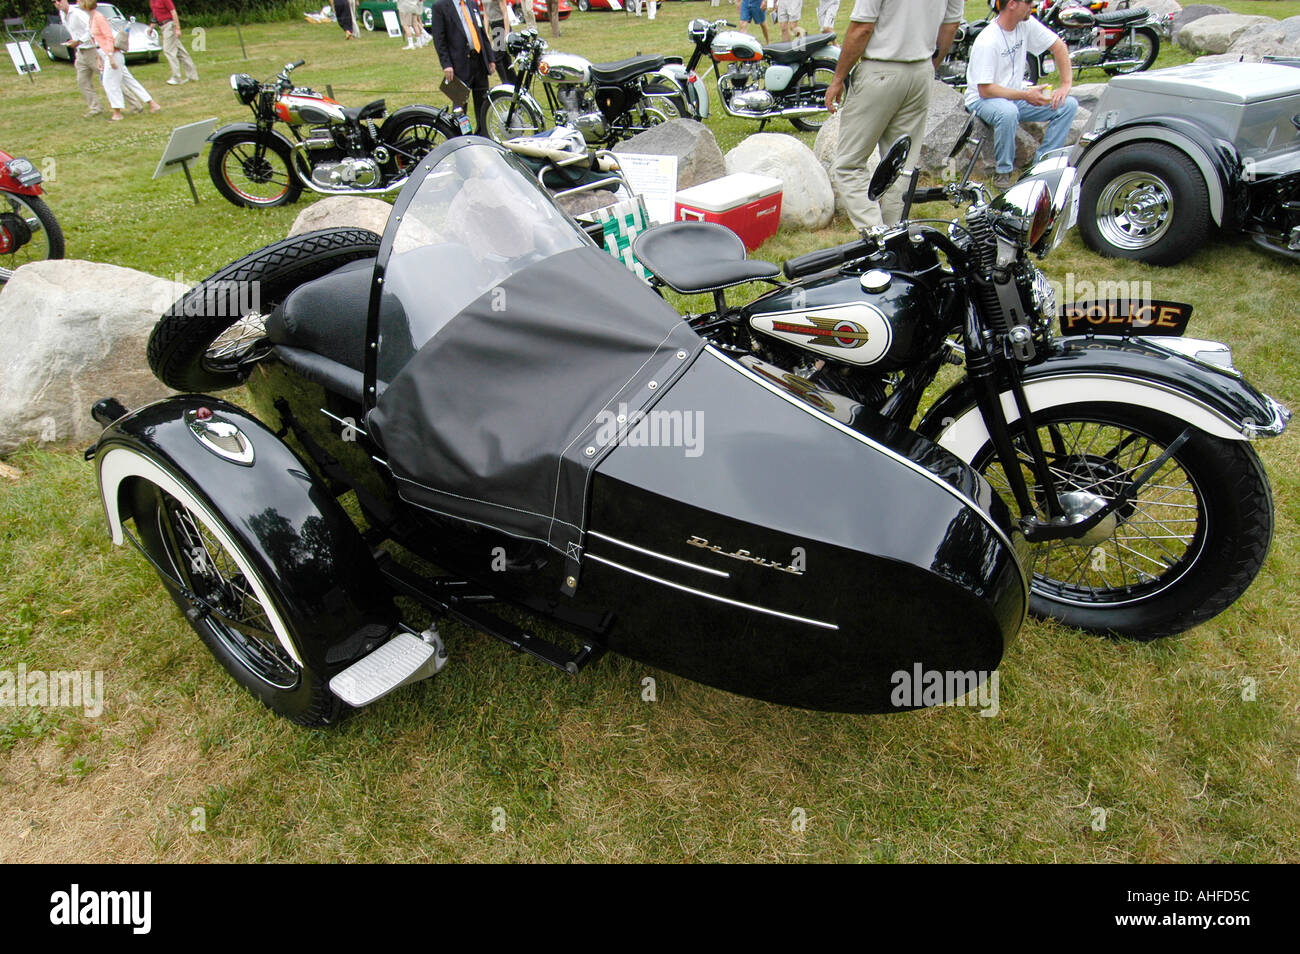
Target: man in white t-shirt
{"x":996,"y":90}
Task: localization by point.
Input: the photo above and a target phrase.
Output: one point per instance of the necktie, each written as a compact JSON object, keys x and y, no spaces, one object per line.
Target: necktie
{"x":469,"y":22}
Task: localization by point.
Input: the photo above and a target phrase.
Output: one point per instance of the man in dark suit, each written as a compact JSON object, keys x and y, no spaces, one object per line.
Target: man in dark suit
{"x":465,"y":50}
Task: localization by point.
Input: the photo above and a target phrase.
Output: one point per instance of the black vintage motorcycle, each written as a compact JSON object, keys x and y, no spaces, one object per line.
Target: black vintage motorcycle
{"x":499,"y":399}
{"x":763,"y":83}
{"x":335,"y":149}
{"x":606,"y":102}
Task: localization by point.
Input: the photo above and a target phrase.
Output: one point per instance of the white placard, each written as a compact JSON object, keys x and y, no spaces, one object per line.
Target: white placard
{"x":186,"y":142}
{"x":23,"y":58}
{"x":655,"y":179}
{"x":390,"y":23}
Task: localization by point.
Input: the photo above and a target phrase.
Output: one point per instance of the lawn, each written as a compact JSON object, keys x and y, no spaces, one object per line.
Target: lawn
{"x":1186,"y":750}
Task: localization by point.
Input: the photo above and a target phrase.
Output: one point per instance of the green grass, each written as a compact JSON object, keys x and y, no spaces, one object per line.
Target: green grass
{"x":1157,"y":736}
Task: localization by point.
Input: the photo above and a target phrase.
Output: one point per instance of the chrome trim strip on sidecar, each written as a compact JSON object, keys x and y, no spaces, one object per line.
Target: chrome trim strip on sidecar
{"x":658,"y":556}
{"x":713,"y":596}
{"x":893,"y":455}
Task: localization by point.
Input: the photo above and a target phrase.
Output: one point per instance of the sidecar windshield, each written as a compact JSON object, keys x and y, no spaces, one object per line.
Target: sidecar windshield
{"x":477,"y":217}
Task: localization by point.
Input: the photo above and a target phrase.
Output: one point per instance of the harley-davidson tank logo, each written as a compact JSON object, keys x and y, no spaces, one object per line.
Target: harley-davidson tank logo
{"x":839,"y":333}
{"x":744,"y":556}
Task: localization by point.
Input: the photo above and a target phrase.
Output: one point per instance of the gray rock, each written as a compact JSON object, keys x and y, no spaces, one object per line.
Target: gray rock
{"x":343,"y":212}
{"x":1226,"y":58}
{"x":581,"y":202}
{"x":1088,"y":94}
{"x":1161,"y":8}
{"x":809,"y":201}
{"x":945,"y":119}
{"x":1195,"y":11}
{"x":84,"y":327}
{"x":1215,"y":33}
{"x":824,"y":149}
{"x":1264,"y":39}
{"x":1082,"y":120}
{"x":698,"y":157}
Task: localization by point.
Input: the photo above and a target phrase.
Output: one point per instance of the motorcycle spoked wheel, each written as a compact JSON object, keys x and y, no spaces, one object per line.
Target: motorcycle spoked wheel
{"x":1142,"y":44}
{"x":246,"y":179}
{"x":659,"y":104}
{"x":234,"y":618}
{"x":525,"y":121}
{"x":1175,"y":556}
{"x":29,"y":232}
{"x":209,"y":338}
{"x":417,"y":136}
{"x":812,"y":87}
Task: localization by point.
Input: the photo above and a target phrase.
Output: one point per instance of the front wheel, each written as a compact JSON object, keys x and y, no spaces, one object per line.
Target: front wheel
{"x":1138,"y":48}
{"x":29,"y":232}
{"x":811,"y":91}
{"x":214,"y":580}
{"x":1145,"y":201}
{"x":509,"y":119}
{"x":258,"y":177}
{"x":1182,"y":551}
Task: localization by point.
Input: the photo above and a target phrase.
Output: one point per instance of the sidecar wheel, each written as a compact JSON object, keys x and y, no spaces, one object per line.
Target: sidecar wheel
{"x":1180,"y":553}
{"x":231,"y":606}
{"x":209,"y":338}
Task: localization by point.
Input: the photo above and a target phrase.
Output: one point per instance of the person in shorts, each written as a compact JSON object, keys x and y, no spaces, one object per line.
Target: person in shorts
{"x":788,"y":13}
{"x":827,"y":11}
{"x":752,"y":11}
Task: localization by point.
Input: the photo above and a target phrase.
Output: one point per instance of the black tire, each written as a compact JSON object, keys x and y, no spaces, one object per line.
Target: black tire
{"x":237,"y":171}
{"x":527,"y":120}
{"x":153,"y":57}
{"x":1209,"y":510}
{"x":813,"y":84}
{"x":415,"y":135}
{"x":221,"y":604}
{"x":34,"y":248}
{"x":1145,"y":39}
{"x":206,"y":341}
{"x":1033,"y":70}
{"x":1145,"y":201}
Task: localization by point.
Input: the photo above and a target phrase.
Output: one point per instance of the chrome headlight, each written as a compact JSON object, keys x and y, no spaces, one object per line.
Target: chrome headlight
{"x":1023,"y":213}
{"x":245,"y":87}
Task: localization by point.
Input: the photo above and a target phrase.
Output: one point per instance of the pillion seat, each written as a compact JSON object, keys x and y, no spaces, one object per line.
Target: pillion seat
{"x":697,"y":257}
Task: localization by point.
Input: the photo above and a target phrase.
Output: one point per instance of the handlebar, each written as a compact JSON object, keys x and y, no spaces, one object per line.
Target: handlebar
{"x":823,"y":259}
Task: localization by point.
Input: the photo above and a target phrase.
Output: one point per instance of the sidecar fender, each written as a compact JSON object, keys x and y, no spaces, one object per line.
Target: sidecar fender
{"x":314,"y":564}
{"x":1160,"y":373}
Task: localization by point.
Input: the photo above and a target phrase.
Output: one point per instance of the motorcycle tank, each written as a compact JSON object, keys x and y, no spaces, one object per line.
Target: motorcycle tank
{"x":564,"y":68}
{"x":852,"y":319}
{"x":295,"y":108}
{"x":746,"y":537}
{"x":1077,"y":17}
{"x":734,"y":45}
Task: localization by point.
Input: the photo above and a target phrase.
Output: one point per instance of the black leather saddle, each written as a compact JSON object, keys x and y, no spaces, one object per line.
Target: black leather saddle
{"x":796,"y":51}
{"x":1121,"y":17}
{"x":696,"y":257}
{"x":373,"y":110}
{"x":620,"y":71}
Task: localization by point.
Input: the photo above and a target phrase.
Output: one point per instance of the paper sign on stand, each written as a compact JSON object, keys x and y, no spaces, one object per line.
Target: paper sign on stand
{"x":390,"y":23}
{"x":654,"y":178}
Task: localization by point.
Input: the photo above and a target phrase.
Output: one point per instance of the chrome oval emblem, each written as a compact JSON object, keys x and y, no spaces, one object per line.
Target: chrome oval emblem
{"x":220,"y":437}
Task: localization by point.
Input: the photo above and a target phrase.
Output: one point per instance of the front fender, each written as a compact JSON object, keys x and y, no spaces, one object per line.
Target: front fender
{"x":242,"y":130}
{"x":1216,"y":159}
{"x":696,"y":93}
{"x":313,"y":562}
{"x":1153,"y":372}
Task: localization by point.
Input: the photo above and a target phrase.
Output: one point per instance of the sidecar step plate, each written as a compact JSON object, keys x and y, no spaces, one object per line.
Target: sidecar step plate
{"x":403,"y":659}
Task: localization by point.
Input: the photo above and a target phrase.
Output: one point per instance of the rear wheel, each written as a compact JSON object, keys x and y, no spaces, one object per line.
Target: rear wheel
{"x":413,"y":137}
{"x":210,"y":337}
{"x":1182,"y":551}
{"x":29,"y":232}
{"x":505,"y":123}
{"x":258,"y":178}
{"x":1142,"y":46}
{"x":1145,"y":201}
{"x":211,"y":576}
{"x":812,"y":91}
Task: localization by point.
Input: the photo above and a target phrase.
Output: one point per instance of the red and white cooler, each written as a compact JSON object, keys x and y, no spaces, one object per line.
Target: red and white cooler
{"x":748,"y":204}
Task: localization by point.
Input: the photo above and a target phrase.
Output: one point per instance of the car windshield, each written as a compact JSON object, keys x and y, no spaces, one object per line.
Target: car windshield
{"x":110,"y":12}
{"x":476,"y":217}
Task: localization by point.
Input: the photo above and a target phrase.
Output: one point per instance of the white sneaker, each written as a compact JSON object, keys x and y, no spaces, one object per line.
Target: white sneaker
{"x":174,"y":81}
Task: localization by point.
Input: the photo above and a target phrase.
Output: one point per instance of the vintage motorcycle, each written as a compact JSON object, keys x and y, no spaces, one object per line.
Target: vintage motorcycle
{"x":29,"y":232}
{"x":783,"y":80}
{"x":606,"y":102}
{"x":1118,"y":41}
{"x":502,"y":401}
{"x":335,"y":149}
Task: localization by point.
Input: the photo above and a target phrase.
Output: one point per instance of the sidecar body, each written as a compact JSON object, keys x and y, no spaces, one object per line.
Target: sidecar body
{"x":496,"y":410}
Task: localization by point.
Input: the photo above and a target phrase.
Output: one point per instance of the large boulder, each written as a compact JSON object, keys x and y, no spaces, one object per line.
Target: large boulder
{"x":1161,"y":8}
{"x":1264,"y":39}
{"x":1215,"y":33}
{"x":84,"y":327}
{"x":343,"y":212}
{"x":809,"y":201}
{"x":698,"y":157}
{"x":945,"y":118}
{"x":1196,"y":11}
{"x":1088,"y":94}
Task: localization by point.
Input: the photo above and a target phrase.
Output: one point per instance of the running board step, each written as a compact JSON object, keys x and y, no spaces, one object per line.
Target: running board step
{"x":404,"y":659}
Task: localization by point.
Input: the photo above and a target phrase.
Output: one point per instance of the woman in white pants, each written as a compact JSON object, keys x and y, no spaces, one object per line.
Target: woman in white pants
{"x":116,"y":78}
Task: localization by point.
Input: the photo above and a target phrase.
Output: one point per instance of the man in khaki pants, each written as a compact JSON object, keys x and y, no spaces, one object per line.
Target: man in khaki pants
{"x":85,"y":53}
{"x":886,"y":94}
{"x":169,"y":22}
